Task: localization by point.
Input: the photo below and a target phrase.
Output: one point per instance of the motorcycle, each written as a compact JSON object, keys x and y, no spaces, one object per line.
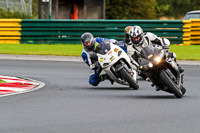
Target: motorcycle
{"x":116,"y":63}
{"x":161,"y":70}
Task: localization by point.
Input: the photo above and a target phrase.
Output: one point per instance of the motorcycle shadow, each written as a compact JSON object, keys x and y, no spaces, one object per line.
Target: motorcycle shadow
{"x":139,"y":97}
{"x":155,"y":97}
{"x":110,"y":88}
{"x":132,"y":95}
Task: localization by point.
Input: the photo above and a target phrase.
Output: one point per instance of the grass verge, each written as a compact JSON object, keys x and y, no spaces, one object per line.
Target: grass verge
{"x":191,"y":52}
{"x":41,"y":49}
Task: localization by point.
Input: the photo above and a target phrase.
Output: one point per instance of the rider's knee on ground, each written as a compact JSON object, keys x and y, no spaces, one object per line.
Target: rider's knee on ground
{"x":93,"y":82}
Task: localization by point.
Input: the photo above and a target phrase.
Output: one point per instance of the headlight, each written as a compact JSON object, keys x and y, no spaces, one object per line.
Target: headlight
{"x":150,"y":65}
{"x":146,"y":67}
{"x":157,"y":59}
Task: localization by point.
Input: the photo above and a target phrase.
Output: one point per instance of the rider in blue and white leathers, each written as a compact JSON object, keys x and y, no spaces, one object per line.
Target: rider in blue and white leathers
{"x":90,"y":58}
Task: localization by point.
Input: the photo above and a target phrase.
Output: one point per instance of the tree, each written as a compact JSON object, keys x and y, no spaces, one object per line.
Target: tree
{"x":176,"y":8}
{"x":131,"y":9}
{"x":35,"y":8}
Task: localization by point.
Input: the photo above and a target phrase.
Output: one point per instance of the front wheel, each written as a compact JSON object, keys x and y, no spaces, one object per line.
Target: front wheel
{"x":127,"y":77}
{"x":171,"y":85}
{"x":183,"y":90}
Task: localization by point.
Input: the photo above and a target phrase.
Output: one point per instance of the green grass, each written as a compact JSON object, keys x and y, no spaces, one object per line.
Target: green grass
{"x":191,"y":52}
{"x":41,"y":49}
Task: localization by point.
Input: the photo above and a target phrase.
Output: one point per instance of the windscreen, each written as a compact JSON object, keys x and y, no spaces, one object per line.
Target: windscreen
{"x":103,"y":47}
{"x":146,"y":51}
{"x":149,"y":52}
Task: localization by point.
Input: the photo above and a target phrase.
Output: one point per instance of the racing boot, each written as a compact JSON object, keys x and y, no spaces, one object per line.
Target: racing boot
{"x":105,"y":76}
{"x":141,"y":76}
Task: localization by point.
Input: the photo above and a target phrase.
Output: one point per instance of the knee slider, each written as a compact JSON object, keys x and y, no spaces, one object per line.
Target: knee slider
{"x":92,"y":82}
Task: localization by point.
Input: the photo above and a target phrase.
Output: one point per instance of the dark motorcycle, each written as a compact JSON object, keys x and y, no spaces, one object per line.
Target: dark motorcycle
{"x":161,"y":70}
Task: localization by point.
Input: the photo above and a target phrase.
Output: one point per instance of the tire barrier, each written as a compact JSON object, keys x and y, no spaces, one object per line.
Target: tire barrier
{"x":56,"y":31}
{"x":191,"y":31}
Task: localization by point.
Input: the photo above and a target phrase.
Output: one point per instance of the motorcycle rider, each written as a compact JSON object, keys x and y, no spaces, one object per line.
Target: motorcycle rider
{"x":126,"y":32}
{"x":136,"y":40}
{"x":90,"y":58}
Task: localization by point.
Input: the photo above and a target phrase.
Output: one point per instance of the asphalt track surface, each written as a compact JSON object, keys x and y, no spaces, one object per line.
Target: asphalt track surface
{"x":68,"y":104}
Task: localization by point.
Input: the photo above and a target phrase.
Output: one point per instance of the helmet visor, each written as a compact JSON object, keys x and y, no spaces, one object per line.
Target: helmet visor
{"x":136,"y":40}
{"x":87,"y":43}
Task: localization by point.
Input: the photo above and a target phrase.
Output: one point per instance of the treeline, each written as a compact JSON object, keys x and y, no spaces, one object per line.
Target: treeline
{"x":15,"y":14}
{"x":130,"y":9}
{"x":149,"y":9}
{"x":12,"y":14}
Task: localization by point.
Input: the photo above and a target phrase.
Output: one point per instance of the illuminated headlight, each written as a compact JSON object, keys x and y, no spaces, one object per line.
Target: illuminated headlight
{"x":150,"y":65}
{"x":157,"y":59}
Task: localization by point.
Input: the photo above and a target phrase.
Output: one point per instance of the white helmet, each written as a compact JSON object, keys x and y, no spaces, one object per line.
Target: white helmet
{"x":136,"y":35}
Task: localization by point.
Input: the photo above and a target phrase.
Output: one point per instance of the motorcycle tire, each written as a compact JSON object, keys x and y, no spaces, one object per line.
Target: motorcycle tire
{"x":183,"y":90}
{"x":171,"y":85}
{"x":127,"y":77}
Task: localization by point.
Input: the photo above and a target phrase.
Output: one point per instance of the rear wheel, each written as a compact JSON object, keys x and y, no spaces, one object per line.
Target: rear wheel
{"x":172,"y":86}
{"x":127,"y":77}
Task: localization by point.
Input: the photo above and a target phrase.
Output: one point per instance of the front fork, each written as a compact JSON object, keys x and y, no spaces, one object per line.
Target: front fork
{"x":132,"y":72}
{"x":179,"y":76}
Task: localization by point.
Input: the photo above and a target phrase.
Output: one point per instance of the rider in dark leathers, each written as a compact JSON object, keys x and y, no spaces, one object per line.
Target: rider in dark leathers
{"x":136,"y":40}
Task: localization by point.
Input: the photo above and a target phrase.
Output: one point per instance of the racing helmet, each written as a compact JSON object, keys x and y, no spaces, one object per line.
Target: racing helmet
{"x":87,"y":40}
{"x":127,"y":30}
{"x":127,"y":34}
{"x":136,"y":35}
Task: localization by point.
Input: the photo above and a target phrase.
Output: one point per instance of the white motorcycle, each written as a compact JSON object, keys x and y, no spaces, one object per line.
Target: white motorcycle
{"x":116,"y":63}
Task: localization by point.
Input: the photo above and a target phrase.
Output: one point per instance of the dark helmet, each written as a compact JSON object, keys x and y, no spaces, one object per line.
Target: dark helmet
{"x":136,"y":35}
{"x":87,"y":39}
